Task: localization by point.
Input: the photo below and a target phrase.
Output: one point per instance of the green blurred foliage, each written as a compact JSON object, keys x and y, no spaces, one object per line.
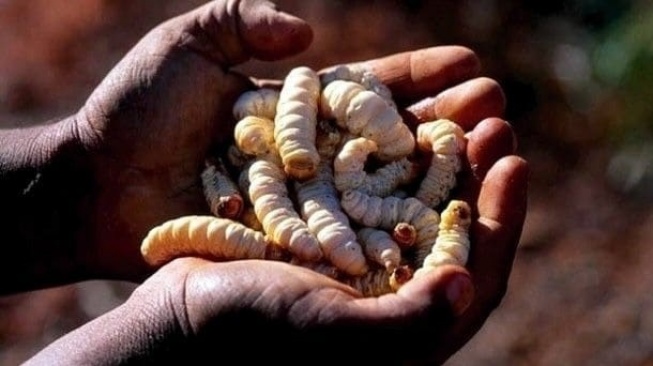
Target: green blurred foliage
{"x":624,"y":64}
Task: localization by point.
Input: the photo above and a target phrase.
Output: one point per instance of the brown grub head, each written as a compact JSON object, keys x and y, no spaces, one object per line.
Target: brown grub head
{"x":400,"y":276}
{"x":230,"y":207}
{"x":405,"y":235}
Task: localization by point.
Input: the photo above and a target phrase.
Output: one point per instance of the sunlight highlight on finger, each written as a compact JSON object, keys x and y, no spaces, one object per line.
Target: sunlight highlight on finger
{"x":423,"y":73}
{"x":502,"y":210}
{"x":466,"y":103}
{"x":503,"y":195}
{"x":490,"y":140}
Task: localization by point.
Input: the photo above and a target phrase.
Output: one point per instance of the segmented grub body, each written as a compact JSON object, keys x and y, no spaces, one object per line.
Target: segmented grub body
{"x":445,"y":139}
{"x":320,"y":207}
{"x":258,"y":103}
{"x":361,"y":76}
{"x":380,"y":248}
{"x":364,"y":113}
{"x":452,"y":244}
{"x":254,"y":136}
{"x":276,"y":212}
{"x":380,"y":282}
{"x":323,"y":268}
{"x":350,"y":173}
{"x":295,"y":123}
{"x":213,"y":237}
{"x":387,"y":212}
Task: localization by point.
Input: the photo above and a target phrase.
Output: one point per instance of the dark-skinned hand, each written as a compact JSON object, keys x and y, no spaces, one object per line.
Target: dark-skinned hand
{"x":148,"y":127}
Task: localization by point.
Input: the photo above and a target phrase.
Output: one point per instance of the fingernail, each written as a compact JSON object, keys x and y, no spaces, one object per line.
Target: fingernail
{"x":460,"y":293}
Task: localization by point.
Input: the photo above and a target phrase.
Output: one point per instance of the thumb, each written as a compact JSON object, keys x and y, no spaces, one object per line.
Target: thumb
{"x":448,"y":284}
{"x":415,"y":320}
{"x":269,"y":34}
{"x":230,"y":32}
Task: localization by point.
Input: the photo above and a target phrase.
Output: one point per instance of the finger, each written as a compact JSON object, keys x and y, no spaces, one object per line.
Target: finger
{"x":423,"y":73}
{"x":455,"y":280}
{"x":230,"y":32}
{"x":489,"y":141}
{"x":466,"y":103}
{"x":503,"y":196}
{"x":502,"y":209}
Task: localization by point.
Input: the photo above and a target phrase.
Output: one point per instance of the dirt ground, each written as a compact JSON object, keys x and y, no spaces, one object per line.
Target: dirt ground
{"x":581,"y":288}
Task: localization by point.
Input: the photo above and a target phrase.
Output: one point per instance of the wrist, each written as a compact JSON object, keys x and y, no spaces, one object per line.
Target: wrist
{"x":45,"y":181}
{"x":134,"y":333}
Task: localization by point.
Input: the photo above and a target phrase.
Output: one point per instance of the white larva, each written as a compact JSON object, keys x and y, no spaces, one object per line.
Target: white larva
{"x":446,"y":140}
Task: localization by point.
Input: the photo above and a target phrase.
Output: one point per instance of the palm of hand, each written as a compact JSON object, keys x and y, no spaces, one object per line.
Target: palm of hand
{"x":149,"y":125}
{"x":281,"y":308}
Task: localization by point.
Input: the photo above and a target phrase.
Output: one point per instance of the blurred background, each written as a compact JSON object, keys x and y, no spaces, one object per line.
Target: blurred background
{"x":578,"y":75}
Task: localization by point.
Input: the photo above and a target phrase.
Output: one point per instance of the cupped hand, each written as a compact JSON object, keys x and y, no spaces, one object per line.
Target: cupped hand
{"x":151,"y":122}
{"x":444,"y":82}
{"x":246,"y":312}
{"x":195,"y":312}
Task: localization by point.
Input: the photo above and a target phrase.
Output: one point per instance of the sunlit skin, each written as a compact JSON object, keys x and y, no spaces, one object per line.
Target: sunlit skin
{"x":137,"y":147}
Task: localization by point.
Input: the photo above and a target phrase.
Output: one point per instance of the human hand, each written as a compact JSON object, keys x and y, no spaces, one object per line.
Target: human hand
{"x":193,"y":309}
{"x":279,"y":312}
{"x":443,"y":82}
{"x":151,"y":122}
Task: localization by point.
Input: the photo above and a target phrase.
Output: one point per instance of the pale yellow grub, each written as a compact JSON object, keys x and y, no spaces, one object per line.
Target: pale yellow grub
{"x":380,"y":248}
{"x":320,"y":208}
{"x":254,"y":136}
{"x":258,"y":103}
{"x":452,"y":244}
{"x":295,"y":123}
{"x":387,"y":212}
{"x":446,"y":140}
{"x":206,"y":236}
{"x":361,"y":76}
{"x":350,"y":173}
{"x":275,"y":210}
{"x":380,"y":282}
{"x":364,"y":113}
